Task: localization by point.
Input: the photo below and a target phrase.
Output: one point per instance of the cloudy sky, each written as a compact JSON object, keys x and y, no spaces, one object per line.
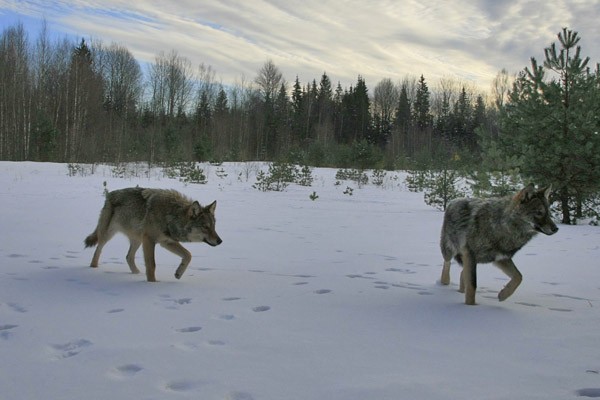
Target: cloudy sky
{"x":467,"y":40}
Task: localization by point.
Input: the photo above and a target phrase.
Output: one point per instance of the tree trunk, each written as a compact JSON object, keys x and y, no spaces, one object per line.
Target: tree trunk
{"x":564,"y":203}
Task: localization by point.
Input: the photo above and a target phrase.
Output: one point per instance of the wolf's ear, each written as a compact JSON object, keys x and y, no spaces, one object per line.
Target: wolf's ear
{"x":546,"y":191}
{"x":525,"y":194}
{"x":212,"y":207}
{"x":195,"y":210}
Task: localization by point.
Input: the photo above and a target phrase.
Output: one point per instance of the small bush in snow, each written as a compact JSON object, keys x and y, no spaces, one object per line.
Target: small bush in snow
{"x":305,"y":177}
{"x":378,"y":177}
{"x":278,"y":178}
{"x":186,"y":172}
{"x":441,"y":187}
{"x":356,"y":175}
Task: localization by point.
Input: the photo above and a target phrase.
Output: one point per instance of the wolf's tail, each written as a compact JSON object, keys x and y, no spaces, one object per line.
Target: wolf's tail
{"x":103,"y":223}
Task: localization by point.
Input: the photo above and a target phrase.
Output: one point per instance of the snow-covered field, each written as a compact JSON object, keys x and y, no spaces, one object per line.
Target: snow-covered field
{"x":329,"y":299}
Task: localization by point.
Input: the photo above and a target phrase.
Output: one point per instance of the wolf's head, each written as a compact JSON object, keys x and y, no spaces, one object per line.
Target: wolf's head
{"x":201,"y":225}
{"x":534,"y":206}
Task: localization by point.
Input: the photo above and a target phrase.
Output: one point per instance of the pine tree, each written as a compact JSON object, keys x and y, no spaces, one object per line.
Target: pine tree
{"x":552,"y":123}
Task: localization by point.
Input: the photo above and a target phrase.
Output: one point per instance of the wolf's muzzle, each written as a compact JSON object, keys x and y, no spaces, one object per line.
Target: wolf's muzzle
{"x":547,"y":230}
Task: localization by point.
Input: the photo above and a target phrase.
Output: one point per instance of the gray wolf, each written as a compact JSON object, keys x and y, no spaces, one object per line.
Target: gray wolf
{"x":151,"y":216}
{"x":492,"y":230}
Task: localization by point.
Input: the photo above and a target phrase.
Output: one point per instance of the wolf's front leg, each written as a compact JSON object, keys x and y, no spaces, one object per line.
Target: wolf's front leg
{"x":148,"y":246}
{"x":469,"y":277}
{"x":186,"y":256}
{"x":445,"y":278}
{"x":509,"y":268}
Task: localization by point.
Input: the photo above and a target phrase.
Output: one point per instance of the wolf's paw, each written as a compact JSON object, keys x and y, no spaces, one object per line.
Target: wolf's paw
{"x":180,"y":271}
{"x":504,"y":294}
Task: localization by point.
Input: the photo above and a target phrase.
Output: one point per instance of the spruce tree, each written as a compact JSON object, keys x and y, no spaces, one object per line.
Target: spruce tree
{"x":421,"y":106}
{"x":403,"y":113}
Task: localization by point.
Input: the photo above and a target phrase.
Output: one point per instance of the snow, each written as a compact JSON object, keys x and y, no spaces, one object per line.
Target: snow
{"x":336,"y":298}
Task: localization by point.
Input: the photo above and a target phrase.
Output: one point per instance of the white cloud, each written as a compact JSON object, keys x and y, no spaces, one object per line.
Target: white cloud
{"x":470,"y":40}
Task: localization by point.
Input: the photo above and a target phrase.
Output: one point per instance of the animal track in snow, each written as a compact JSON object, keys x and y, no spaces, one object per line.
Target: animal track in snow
{"x":186,"y":346}
{"x":70,"y":349}
{"x":115,"y":310}
{"x":15,"y":255}
{"x":527,"y":304}
{"x":261,"y":308}
{"x":5,"y":331}
{"x":552,"y":283}
{"x":588,"y":392}
{"x":401,"y":270}
{"x":126,"y":371}
{"x":231,"y":298}
{"x":172,"y":304}
{"x":239,"y":396}
{"x":183,"y":385}
{"x":355,"y":276}
{"x":7,"y":327}
{"x":322,"y":291}
{"x":189,"y":329}
{"x":564,"y":296}
{"x":16,"y":307}
{"x":407,"y":285}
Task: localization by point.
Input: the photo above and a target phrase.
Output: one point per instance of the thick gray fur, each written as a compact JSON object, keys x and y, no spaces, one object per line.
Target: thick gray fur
{"x":492,"y":230}
{"x":153,"y":216}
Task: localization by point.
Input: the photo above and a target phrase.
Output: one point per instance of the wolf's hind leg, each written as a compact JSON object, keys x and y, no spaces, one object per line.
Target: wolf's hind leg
{"x":447,"y":254}
{"x":509,"y":268}
{"x":182,"y":252}
{"x":134,"y":245}
{"x":103,"y":238}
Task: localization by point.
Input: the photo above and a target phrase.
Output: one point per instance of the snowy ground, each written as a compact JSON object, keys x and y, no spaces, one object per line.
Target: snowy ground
{"x":329,"y":299}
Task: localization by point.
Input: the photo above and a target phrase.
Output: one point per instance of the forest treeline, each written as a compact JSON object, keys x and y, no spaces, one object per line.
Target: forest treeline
{"x":80,"y":101}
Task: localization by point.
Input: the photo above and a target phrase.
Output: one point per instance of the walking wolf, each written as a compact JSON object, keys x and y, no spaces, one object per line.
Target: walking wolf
{"x":151,"y":216}
{"x":493,"y":230}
